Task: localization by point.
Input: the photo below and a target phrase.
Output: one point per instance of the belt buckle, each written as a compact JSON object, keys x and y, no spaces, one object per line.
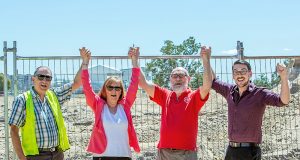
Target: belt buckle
{"x":234,"y":144}
{"x":52,"y":149}
{"x":237,"y":144}
{"x":243,"y":144}
{"x":173,"y":149}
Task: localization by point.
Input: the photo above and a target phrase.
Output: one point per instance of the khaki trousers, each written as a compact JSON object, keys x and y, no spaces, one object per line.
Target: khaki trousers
{"x":175,"y":154}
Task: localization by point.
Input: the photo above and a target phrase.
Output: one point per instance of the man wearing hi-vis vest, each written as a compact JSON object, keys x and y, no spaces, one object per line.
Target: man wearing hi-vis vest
{"x":37,"y":113}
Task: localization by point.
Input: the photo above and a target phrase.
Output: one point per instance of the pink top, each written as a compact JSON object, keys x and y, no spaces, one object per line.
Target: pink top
{"x":98,"y":140}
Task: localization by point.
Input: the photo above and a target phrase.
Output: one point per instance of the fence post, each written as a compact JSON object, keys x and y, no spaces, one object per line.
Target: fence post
{"x":240,"y":50}
{"x":5,"y":101}
{"x":5,"y":51}
{"x":15,"y":77}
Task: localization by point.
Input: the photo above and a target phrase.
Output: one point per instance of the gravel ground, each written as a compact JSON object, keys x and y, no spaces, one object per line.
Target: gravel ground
{"x":281,"y":129}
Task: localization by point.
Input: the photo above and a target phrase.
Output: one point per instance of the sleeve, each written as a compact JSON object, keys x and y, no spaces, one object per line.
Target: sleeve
{"x":90,"y":96}
{"x":133,"y":87}
{"x":272,"y":99}
{"x":63,"y":93}
{"x":160,"y":95}
{"x":18,"y":113}
{"x":199,"y":102}
{"x":221,"y":87}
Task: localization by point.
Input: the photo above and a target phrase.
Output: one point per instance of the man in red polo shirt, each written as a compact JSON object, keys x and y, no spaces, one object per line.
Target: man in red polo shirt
{"x":180,"y":108}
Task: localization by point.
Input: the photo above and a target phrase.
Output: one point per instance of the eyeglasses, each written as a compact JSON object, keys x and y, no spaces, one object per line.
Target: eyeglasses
{"x":116,"y":88}
{"x":176,"y":75}
{"x":241,"y":72}
{"x":42,"y":77}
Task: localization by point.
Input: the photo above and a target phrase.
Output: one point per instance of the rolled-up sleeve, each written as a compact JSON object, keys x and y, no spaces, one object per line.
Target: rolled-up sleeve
{"x":272,"y":99}
{"x":63,"y":93}
{"x":221,"y":87}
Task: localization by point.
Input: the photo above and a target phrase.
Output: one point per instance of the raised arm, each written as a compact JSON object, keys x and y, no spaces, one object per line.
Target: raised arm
{"x":90,"y":95}
{"x":133,"y":54}
{"x":213,"y":74}
{"x":207,"y":73}
{"x":77,"y":80}
{"x":285,"y":91}
{"x":143,"y":83}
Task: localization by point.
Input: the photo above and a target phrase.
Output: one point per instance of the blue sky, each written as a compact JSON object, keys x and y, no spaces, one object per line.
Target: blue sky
{"x":57,"y":27}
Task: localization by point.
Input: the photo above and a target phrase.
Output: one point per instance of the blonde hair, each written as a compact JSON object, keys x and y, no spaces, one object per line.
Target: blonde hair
{"x":108,"y":82}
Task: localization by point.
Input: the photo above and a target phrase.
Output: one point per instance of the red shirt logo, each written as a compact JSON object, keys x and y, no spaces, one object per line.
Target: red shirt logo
{"x":187,"y":99}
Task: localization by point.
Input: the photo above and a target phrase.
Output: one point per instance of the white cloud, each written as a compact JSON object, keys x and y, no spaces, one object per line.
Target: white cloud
{"x":287,"y":49}
{"x":232,"y":51}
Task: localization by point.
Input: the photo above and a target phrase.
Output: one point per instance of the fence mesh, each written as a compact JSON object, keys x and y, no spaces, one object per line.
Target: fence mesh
{"x":281,"y":131}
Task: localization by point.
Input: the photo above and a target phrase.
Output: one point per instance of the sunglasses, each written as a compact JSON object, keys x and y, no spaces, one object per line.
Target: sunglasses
{"x":43,"y":77}
{"x":241,"y":72}
{"x":116,"y":88}
{"x":176,"y":75}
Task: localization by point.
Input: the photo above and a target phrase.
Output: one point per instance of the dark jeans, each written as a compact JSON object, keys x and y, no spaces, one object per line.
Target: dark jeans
{"x":56,"y":155}
{"x":111,"y":158}
{"x":243,"y":153}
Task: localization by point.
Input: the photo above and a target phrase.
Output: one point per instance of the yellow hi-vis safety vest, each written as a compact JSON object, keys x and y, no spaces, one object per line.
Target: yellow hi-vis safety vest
{"x":29,"y":144}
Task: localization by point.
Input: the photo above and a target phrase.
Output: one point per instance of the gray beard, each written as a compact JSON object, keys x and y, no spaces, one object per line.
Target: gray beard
{"x":178,"y":89}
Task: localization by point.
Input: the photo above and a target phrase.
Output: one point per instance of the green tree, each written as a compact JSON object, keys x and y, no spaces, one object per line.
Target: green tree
{"x":263,"y":81}
{"x":161,"y":68}
{"x":2,"y":82}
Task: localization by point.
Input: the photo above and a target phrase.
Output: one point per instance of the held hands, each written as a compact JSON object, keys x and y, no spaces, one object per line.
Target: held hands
{"x":282,"y":70}
{"x":205,"y":53}
{"x":133,"y":54}
{"x":85,"y":55}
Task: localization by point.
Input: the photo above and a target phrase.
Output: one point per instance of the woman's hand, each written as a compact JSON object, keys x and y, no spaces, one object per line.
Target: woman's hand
{"x":133,"y":54}
{"x":85,"y":55}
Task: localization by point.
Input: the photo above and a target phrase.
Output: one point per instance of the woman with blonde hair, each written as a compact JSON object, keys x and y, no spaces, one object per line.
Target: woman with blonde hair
{"x":113,"y":133}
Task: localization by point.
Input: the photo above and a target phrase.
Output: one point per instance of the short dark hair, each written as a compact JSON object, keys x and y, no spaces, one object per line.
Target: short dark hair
{"x":38,"y":68}
{"x":242,"y":62}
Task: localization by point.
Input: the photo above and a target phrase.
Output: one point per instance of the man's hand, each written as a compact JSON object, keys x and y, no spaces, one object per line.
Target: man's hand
{"x":85,"y":55}
{"x":133,"y":54}
{"x":205,"y":53}
{"x":282,"y":70}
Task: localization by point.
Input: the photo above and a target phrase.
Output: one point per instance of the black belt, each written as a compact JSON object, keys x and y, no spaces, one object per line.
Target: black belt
{"x":53,"y":149}
{"x":242,"y":144}
{"x":173,"y":149}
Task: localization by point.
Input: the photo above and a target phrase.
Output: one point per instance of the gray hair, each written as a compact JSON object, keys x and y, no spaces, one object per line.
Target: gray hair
{"x":38,"y":68}
{"x":180,"y":69}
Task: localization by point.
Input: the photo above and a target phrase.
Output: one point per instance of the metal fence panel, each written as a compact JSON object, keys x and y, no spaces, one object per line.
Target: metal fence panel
{"x":281,"y":132}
